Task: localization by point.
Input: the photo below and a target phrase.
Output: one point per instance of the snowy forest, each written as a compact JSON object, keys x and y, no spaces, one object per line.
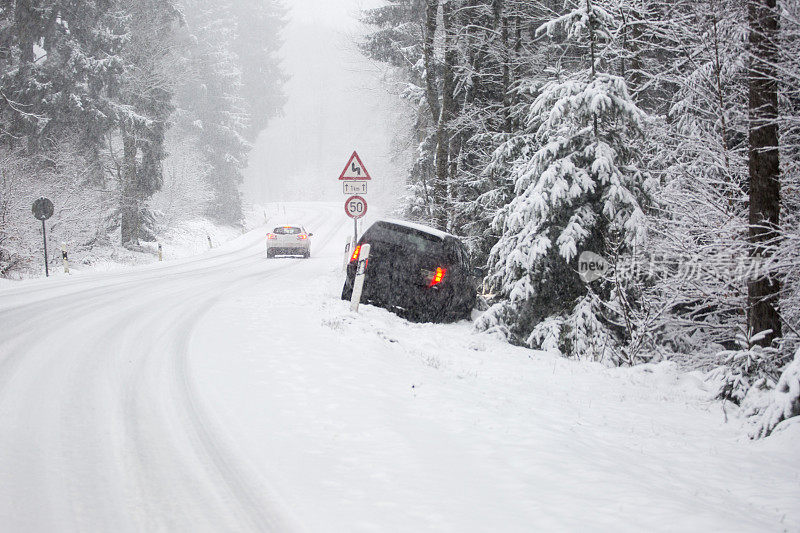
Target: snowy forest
{"x":132,"y":114}
{"x":661,"y":136}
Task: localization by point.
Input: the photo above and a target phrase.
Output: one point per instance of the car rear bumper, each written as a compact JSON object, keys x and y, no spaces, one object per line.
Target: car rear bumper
{"x":288,"y":249}
{"x":410,"y":299}
{"x":406,"y":296}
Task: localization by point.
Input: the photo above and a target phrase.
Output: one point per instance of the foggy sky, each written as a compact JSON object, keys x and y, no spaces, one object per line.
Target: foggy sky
{"x":336,"y":104}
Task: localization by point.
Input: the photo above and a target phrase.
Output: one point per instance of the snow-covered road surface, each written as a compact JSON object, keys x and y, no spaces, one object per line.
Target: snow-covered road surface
{"x":229,"y":392}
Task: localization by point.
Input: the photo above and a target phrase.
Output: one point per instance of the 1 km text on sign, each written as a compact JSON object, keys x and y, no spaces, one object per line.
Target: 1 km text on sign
{"x":354,"y":187}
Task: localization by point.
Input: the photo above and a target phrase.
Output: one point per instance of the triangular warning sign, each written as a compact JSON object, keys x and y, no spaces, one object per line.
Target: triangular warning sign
{"x":355,"y":169}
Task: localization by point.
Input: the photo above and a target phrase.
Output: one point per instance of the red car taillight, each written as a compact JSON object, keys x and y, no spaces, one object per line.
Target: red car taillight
{"x":302,"y":237}
{"x":271,"y":236}
{"x":433,"y":278}
{"x":357,"y":251}
{"x":438,"y":277}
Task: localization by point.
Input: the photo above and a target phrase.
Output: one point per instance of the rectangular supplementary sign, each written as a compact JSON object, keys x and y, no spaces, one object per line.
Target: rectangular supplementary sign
{"x":354,"y":187}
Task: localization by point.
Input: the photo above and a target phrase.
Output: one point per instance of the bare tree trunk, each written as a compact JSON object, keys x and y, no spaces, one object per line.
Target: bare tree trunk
{"x":26,"y":22}
{"x":429,"y":33}
{"x":635,"y":19}
{"x":28,"y":25}
{"x":763,"y":293}
{"x":502,"y":19}
{"x":452,"y":191}
{"x":443,"y":134}
{"x":129,"y":199}
{"x":592,"y":54}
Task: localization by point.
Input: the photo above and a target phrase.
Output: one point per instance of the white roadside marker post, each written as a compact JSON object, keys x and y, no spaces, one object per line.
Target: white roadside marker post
{"x":361,"y":273}
{"x":64,"y":257}
{"x":160,"y":253}
{"x":209,"y":241}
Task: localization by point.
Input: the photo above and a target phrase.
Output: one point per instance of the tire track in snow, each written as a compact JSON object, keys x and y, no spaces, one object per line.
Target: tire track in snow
{"x":248,"y":493}
{"x":23,"y":331}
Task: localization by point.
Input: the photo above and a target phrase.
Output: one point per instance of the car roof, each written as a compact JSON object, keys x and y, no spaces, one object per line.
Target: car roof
{"x":288,"y":226}
{"x":419,"y":227}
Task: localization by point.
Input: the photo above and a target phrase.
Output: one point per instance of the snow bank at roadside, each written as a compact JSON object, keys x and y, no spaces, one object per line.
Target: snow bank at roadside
{"x":379,"y":424}
{"x":185,"y":239}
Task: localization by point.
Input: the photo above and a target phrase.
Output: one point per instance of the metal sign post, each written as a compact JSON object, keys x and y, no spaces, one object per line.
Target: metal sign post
{"x":44,"y":237}
{"x":355,"y":207}
{"x":43,"y":209}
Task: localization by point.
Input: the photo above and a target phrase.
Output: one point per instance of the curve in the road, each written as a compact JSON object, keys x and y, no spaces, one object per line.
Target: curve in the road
{"x":102,"y":420}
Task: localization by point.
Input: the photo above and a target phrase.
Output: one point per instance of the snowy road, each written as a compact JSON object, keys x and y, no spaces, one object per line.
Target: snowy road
{"x":234,"y":393}
{"x":102,"y":427}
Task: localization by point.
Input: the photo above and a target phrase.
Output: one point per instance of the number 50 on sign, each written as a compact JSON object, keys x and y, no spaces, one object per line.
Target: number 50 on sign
{"x":355,"y":207}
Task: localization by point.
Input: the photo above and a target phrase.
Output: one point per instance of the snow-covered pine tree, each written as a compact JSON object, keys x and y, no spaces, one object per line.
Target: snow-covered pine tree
{"x":56,"y":58}
{"x":578,"y":184}
{"x":786,"y":256}
{"x":783,"y":404}
{"x":501,"y":71}
{"x":460,"y":62}
{"x":60,"y":61}
{"x":146,"y":91}
{"x":486,"y":68}
{"x":257,"y":41}
{"x":397,"y":39}
{"x":213,"y":103}
{"x":701,"y":150}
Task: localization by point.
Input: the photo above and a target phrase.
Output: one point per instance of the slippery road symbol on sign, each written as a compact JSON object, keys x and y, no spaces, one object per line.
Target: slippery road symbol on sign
{"x":355,"y":170}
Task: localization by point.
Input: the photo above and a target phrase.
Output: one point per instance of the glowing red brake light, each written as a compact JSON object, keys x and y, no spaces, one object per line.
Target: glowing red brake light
{"x":271,"y":236}
{"x":302,"y":237}
{"x":357,"y":251}
{"x":438,"y":276}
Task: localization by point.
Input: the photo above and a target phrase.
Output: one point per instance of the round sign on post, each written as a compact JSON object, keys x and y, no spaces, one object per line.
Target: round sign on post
{"x":42,"y":209}
{"x":355,"y":207}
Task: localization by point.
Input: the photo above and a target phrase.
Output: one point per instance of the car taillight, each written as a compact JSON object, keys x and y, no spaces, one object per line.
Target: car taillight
{"x":357,"y":251}
{"x":302,"y":237}
{"x":434,"y":277}
{"x":438,"y":277}
{"x":271,"y":236}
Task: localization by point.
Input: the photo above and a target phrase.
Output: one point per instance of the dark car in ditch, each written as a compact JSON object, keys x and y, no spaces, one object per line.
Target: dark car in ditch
{"x":418,"y":272}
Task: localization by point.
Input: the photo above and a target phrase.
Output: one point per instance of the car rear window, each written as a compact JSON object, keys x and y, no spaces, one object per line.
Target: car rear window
{"x":457,"y":252}
{"x":403,"y":236}
{"x":287,"y":230}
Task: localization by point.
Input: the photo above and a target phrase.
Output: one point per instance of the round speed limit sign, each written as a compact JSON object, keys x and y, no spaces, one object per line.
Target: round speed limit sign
{"x":355,"y":207}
